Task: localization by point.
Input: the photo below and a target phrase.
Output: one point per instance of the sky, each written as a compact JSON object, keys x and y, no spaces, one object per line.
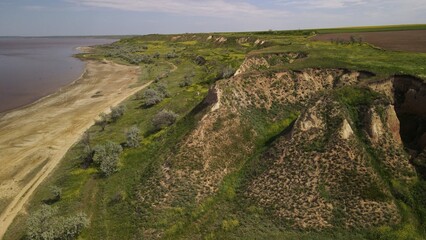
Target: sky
{"x":129,"y":17}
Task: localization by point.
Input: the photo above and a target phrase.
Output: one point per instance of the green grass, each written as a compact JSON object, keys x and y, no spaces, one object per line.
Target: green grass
{"x":225,"y":215}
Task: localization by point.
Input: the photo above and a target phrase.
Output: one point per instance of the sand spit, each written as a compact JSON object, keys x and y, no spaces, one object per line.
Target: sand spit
{"x":34,"y":139}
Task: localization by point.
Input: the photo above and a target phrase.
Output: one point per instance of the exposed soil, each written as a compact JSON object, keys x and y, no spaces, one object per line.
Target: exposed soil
{"x":411,"y":41}
{"x":408,"y":95}
{"x":39,"y":135}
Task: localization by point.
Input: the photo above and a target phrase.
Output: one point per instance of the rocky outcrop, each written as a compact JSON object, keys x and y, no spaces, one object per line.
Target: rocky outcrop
{"x":255,"y":63}
{"x":318,"y":175}
{"x":408,"y":95}
{"x":251,"y":64}
{"x":346,"y":131}
{"x":223,"y":138}
{"x":321,"y":177}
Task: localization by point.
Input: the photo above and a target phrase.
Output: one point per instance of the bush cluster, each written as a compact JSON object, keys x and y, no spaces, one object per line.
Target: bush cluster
{"x":227,"y":72}
{"x":45,"y":225}
{"x":186,"y":82}
{"x":200,"y":60}
{"x":56,"y":192}
{"x":164,"y":119}
{"x":155,"y":95}
{"x":117,"y":112}
{"x":106,"y":157}
{"x":130,"y":53}
{"x":132,"y":136}
{"x":171,"y":55}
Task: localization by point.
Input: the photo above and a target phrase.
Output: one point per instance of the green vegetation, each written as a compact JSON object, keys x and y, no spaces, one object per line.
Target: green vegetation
{"x":154,"y":123}
{"x":106,"y":157}
{"x":132,"y":137}
{"x":46,"y":224}
{"x":164,"y":119}
{"x":117,"y":112}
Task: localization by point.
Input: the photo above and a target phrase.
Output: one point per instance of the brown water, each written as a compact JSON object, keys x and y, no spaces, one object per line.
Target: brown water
{"x":31,"y":68}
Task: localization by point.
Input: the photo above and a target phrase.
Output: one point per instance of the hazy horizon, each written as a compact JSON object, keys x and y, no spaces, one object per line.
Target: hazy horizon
{"x":134,"y":17}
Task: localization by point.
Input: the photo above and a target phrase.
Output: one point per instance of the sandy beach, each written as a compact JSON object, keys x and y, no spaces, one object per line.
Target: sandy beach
{"x":34,"y":139}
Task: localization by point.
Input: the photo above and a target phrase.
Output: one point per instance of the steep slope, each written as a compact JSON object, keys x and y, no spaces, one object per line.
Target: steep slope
{"x":333,"y":158}
{"x":293,"y":146}
{"x":321,"y":174}
{"x":245,"y":110}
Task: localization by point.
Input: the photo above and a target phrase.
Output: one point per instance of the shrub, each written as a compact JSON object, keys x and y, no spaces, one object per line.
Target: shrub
{"x":43,"y":224}
{"x":155,"y":95}
{"x":230,"y":224}
{"x":87,"y":156}
{"x":102,"y":121}
{"x":200,"y":60}
{"x":156,"y":55}
{"x":132,"y":137}
{"x":117,"y":112}
{"x":109,"y":166}
{"x":162,"y":90}
{"x":85,"y":139}
{"x":39,"y":224}
{"x":171,"y":55}
{"x":186,"y":82}
{"x":151,"y":97}
{"x":163,"y":119}
{"x":56,"y":192}
{"x":106,"y":156}
{"x":227,"y":72}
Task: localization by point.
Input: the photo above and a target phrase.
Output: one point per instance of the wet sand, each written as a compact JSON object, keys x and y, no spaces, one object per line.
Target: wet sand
{"x":31,"y":68}
{"x":35,"y":138}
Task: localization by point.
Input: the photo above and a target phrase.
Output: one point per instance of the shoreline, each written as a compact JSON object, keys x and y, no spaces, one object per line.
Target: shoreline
{"x":81,"y":50}
{"x":57,"y":91}
{"x":43,"y":131}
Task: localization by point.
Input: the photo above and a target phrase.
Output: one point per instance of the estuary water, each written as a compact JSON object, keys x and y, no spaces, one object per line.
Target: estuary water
{"x":31,"y":68}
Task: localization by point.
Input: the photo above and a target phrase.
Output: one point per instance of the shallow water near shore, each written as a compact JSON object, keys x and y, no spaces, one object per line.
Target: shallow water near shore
{"x":31,"y":68}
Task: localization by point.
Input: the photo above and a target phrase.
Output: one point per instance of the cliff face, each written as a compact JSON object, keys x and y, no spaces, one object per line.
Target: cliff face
{"x":408,"y":95}
{"x":321,"y":175}
{"x":225,"y":136}
{"x":332,"y":147}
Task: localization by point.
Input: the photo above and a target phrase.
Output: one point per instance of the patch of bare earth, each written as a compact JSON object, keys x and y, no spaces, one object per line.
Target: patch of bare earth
{"x":411,"y":41}
{"x":39,"y":135}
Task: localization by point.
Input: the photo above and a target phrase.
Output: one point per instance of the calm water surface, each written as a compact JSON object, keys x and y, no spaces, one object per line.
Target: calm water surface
{"x":31,"y":68}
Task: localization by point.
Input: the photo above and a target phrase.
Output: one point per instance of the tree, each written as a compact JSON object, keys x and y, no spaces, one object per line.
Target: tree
{"x":102,"y":121}
{"x":109,"y":166}
{"x":117,"y":112}
{"x":163,"y":119}
{"x":106,"y":157}
{"x":132,"y":137}
{"x":39,"y":224}
{"x":151,"y":97}
{"x":43,"y":224}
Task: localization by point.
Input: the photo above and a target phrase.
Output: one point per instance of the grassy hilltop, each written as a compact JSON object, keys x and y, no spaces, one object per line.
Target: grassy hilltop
{"x":181,"y":184}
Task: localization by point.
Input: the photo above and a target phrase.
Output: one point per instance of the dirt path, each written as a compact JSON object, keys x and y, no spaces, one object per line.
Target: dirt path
{"x":34,"y":139}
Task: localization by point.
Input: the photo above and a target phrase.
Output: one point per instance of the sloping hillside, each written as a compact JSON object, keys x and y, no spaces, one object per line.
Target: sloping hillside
{"x":268,"y":136}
